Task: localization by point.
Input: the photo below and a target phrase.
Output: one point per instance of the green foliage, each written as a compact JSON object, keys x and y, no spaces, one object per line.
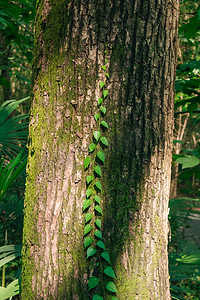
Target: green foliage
{"x":97,"y":170}
{"x":86,"y":162}
{"x":93,"y":282}
{"x":92,"y":219}
{"x":109,"y":272}
{"x":184,"y":257}
{"x":16,"y":25}
{"x":11,"y":290}
{"x":13,"y":130}
{"x":86,"y":203}
{"x":111,"y":287}
{"x":97,"y":297}
{"x":9,"y":172}
{"x":8,"y":253}
{"x":87,"y":241}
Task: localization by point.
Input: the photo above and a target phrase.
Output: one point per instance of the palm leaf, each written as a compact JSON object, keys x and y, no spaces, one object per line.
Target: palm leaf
{"x":10,"y":172}
{"x":8,"y":253}
{"x":13,"y":129}
{"x":10,"y":291}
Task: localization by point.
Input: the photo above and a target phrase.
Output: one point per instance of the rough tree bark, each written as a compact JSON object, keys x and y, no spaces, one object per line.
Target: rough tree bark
{"x":69,"y":52}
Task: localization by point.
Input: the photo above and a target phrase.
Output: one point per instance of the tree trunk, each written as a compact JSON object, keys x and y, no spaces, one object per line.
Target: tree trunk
{"x":69,"y":52}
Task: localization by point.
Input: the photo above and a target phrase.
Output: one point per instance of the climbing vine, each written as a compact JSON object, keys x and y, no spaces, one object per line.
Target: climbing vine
{"x":93,"y":240}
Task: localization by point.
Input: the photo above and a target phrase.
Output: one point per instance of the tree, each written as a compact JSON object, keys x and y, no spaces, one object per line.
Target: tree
{"x":70,"y":43}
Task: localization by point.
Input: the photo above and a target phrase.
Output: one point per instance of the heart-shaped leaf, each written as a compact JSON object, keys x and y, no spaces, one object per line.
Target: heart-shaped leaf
{"x":86,"y":162}
{"x":101,"y":245}
{"x":92,"y":146}
{"x":89,"y":179}
{"x":86,"y":203}
{"x":104,"y":141}
{"x":97,"y":170}
{"x":104,"y":124}
{"x":87,"y":241}
{"x":101,"y":83}
{"x":105,"y":255}
{"x":109,"y":272}
{"x":97,"y":135}
{"x":98,"y":209}
{"x":104,"y":67}
{"x":88,"y":193}
{"x":100,"y":100}
{"x":98,"y":223}
{"x":91,"y":251}
{"x":88,"y":217}
{"x":87,"y":229}
{"x":98,"y":234}
{"x":103,"y":109}
{"x":107,"y":75}
{"x":111,"y":287}
{"x":101,"y":156}
{"x":97,"y":297}
{"x":105,"y":93}
{"x":97,"y":199}
{"x":93,"y":282}
{"x":98,"y":185}
{"x":96,"y":116}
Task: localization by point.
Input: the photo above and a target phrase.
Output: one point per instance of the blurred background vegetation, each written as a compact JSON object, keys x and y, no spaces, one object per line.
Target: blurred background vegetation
{"x":16,"y":47}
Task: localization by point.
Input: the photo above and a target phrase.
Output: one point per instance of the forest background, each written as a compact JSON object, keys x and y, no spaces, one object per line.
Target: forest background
{"x":16,"y":46}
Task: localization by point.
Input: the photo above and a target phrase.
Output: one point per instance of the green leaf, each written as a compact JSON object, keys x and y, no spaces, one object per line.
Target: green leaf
{"x":97,"y":297}
{"x":89,"y":179}
{"x":98,"y":223}
{"x":103,"y":109}
{"x":88,"y":217}
{"x":87,"y":229}
{"x":93,"y":282}
{"x":9,"y":172}
{"x":13,"y":128}
{"x":10,"y":291}
{"x":104,"y":124}
{"x":97,"y":199}
{"x":107,"y":75}
{"x":98,"y":209}
{"x":100,"y":100}
{"x":101,"y":156}
{"x":91,"y":251}
{"x":86,"y":203}
{"x":87,"y":241}
{"x":105,"y":93}
{"x":111,"y":287}
{"x":97,"y":135}
{"x":97,"y":170}
{"x":104,"y":141}
{"x":86,"y":162}
{"x":188,"y":161}
{"x":101,"y":83}
{"x":109,"y":272}
{"x":98,"y":234}
{"x":105,"y":255}
{"x":101,"y":245}
{"x":92,"y":146}
{"x":96,"y":116}
{"x":98,"y":185}
{"x":104,"y":67}
{"x":10,"y":252}
{"x":88,"y":193}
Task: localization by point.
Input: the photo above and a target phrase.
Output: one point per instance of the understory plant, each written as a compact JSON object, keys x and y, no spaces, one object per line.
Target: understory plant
{"x":13,"y":137}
